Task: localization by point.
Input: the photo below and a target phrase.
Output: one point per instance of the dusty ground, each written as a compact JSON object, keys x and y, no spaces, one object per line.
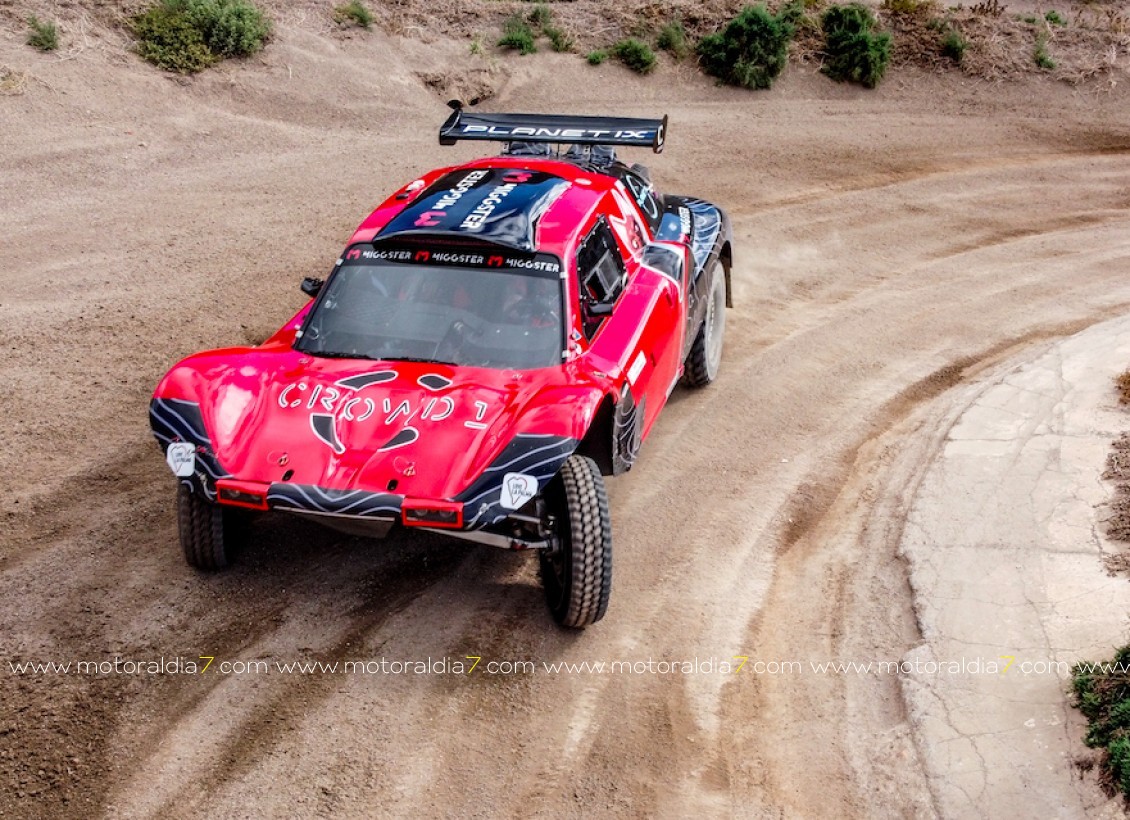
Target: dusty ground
{"x":890,"y":244}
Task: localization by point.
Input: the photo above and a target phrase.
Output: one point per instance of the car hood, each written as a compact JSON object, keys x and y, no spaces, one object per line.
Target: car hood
{"x":415,"y":429}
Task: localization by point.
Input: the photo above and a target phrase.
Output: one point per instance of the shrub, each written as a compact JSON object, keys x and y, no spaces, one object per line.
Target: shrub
{"x":353,"y":12}
{"x":1053,"y":17}
{"x":855,"y":52}
{"x":169,"y":41}
{"x":231,"y":28}
{"x":596,"y":57}
{"x":954,"y":45}
{"x":517,"y":35}
{"x":189,"y":35}
{"x":540,"y":15}
{"x":1040,"y":54}
{"x":793,"y":12}
{"x":635,"y":54}
{"x":559,"y":39}
{"x":673,"y":39}
{"x":1102,"y":694}
{"x":42,"y":35}
{"x":751,"y":50}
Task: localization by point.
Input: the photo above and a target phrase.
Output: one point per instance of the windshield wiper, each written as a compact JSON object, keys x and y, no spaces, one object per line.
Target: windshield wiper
{"x":336,"y":354}
{"x":423,"y":359}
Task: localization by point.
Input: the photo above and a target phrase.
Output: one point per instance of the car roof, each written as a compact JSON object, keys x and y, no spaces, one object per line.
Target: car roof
{"x":523,"y":203}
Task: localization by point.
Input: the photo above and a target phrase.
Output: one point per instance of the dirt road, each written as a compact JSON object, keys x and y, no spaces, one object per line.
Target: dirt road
{"x":887,"y":245}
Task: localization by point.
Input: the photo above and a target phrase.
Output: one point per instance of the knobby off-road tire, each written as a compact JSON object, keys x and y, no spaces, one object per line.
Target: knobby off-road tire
{"x":203,"y":527}
{"x":705,"y":357}
{"x":578,"y":576}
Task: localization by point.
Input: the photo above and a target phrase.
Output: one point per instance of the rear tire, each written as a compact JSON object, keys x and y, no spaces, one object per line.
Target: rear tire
{"x":577,"y":575}
{"x":705,"y":358}
{"x":203,"y":527}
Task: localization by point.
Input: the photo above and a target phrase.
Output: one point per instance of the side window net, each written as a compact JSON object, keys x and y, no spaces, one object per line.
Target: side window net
{"x":600,"y":266}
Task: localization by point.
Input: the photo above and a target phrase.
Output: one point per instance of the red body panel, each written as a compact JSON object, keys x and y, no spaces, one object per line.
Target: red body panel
{"x":258,"y":405}
{"x":276,"y":414}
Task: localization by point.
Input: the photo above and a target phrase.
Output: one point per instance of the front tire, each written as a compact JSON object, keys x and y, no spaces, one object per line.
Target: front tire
{"x":705,"y":358}
{"x":577,"y":575}
{"x":203,"y":527}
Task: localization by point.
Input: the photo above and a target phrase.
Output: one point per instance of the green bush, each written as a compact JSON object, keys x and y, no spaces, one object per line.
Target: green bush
{"x":1040,"y":54}
{"x":954,"y":46}
{"x":42,"y":35}
{"x":673,"y":39}
{"x":540,"y":15}
{"x":1054,"y":18}
{"x":1102,"y":694}
{"x":793,"y":13}
{"x":169,"y":41}
{"x":517,"y":35}
{"x":751,"y":50}
{"x":855,"y":52}
{"x":635,"y":54}
{"x":596,"y":57}
{"x":559,"y":39}
{"x":189,"y":35}
{"x":354,"y":12}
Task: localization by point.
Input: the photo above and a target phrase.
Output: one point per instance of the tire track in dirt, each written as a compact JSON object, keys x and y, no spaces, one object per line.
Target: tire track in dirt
{"x":97,"y":614}
{"x":261,"y":722}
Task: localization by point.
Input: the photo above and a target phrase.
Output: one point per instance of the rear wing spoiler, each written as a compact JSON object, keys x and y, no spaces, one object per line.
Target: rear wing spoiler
{"x":556,"y":128}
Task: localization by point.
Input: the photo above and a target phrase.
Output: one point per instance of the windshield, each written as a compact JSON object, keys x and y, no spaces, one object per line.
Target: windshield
{"x":407,"y":306}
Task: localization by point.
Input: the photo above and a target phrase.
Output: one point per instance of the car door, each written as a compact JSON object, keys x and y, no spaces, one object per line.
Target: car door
{"x":632,"y":316}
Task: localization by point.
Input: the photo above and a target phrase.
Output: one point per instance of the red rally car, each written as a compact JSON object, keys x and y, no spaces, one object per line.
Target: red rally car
{"x":495,"y":338}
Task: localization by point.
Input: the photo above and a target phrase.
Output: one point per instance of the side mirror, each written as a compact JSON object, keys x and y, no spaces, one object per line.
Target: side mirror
{"x":312,"y":286}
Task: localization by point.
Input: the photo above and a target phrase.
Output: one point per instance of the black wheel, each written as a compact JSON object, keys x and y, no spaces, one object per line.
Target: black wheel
{"x":203,"y":527}
{"x":577,"y":574}
{"x":706,"y":353}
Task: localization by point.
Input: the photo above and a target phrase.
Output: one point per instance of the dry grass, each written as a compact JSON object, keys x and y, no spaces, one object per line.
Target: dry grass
{"x":1118,"y":521}
{"x":1118,"y":471}
{"x":1122,"y":384}
{"x":12,"y":82}
{"x":1001,"y":44}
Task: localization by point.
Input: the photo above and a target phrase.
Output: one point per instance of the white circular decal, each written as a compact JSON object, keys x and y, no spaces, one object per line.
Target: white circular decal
{"x":181,"y":457}
{"x":517,"y":489}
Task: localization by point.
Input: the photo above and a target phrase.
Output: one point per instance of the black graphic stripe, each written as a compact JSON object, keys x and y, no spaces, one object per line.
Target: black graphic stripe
{"x":180,"y":420}
{"x":323,"y":426}
{"x":339,"y":502}
{"x":539,"y":456}
{"x":366,"y":379}
{"x":707,"y":224}
{"x":433,"y":381}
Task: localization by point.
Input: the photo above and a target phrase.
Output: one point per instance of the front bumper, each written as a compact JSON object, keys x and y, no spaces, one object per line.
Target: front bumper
{"x":358,"y":512}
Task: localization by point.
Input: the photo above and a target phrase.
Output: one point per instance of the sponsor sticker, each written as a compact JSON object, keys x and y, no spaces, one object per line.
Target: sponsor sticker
{"x":181,"y":458}
{"x":517,"y":489}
